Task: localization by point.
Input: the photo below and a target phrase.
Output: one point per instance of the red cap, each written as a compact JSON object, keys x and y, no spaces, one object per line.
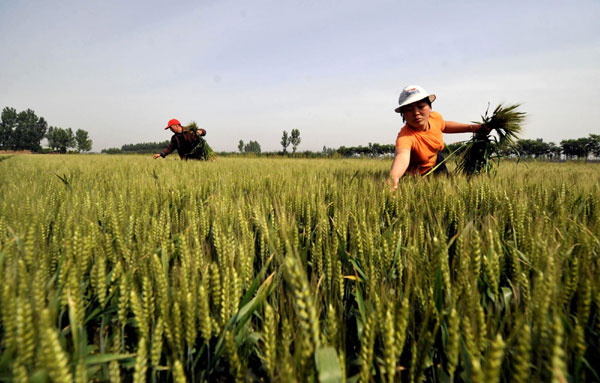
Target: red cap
{"x":172,"y":122}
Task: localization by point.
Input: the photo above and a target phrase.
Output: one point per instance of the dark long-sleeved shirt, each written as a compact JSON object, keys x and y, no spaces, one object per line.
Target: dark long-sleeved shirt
{"x":184,"y":143}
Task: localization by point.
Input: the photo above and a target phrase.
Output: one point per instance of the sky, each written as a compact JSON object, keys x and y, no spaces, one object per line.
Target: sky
{"x":331,"y":69}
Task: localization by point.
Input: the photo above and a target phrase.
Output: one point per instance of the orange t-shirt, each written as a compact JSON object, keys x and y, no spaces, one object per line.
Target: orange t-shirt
{"x":423,"y":146}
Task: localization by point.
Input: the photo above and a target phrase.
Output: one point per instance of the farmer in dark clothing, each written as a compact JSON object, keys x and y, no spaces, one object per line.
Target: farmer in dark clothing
{"x":188,"y":141}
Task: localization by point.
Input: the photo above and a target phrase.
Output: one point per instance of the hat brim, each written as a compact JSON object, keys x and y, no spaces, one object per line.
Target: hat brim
{"x":409,"y":101}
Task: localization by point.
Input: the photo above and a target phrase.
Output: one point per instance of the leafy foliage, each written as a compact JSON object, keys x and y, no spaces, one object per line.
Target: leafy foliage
{"x":84,"y":143}
{"x":252,"y":147}
{"x":581,"y":147}
{"x":537,"y":148}
{"x":61,"y":139}
{"x":285,"y":141}
{"x":295,"y":139}
{"x":21,"y":131}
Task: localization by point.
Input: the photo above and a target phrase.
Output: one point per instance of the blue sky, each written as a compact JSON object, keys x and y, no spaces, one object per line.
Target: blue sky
{"x":332,"y":69}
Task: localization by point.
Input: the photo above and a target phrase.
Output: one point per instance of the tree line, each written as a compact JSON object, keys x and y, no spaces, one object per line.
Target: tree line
{"x":578,"y":148}
{"x":372,"y":149}
{"x":25,"y":131}
{"x":141,"y":148}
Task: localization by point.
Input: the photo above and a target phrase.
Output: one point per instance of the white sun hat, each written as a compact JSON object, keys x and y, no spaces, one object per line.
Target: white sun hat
{"x":413,"y":93}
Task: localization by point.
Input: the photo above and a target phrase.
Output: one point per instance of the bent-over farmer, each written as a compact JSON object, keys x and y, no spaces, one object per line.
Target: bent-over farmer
{"x":420,"y":141}
{"x":188,"y":141}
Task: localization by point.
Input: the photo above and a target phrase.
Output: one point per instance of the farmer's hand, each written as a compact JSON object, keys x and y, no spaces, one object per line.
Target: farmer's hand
{"x":391,"y":181}
{"x":156,"y":155}
{"x":485,"y":128}
{"x":399,"y":166}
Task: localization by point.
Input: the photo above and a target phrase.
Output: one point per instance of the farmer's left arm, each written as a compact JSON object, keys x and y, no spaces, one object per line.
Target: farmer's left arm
{"x":201,"y":132}
{"x":458,"y":127}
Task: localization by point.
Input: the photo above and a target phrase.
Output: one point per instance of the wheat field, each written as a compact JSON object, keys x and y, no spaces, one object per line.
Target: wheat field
{"x":123,"y":268}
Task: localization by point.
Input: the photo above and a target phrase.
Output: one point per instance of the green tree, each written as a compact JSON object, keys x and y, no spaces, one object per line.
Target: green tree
{"x":285,"y":141}
{"x":241,"y":146}
{"x":295,"y":139}
{"x":8,"y":122}
{"x":60,"y":139}
{"x":554,"y":150}
{"x":252,"y":147}
{"x":579,"y":148}
{"x":594,"y":144}
{"x":84,"y":143}
{"x":533,"y":148}
{"x":22,"y":131}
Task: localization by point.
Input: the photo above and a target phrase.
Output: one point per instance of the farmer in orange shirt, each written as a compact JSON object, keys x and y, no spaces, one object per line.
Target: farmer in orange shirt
{"x":420,"y":141}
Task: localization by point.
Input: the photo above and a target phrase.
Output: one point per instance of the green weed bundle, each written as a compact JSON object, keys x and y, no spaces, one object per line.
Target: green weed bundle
{"x":483,"y":150}
{"x":202,"y":150}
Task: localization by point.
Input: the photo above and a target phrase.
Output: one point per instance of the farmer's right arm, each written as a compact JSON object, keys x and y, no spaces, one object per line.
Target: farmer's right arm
{"x":399,"y":166}
{"x":165,"y":152}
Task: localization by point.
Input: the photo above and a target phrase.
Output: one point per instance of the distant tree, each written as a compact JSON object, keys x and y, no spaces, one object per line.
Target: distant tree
{"x":533,"y":148}
{"x":241,"y":146}
{"x":594,"y":144}
{"x":328,"y":151}
{"x":379,"y":149}
{"x":252,"y":147}
{"x":60,"y":139}
{"x":525,"y":147}
{"x":53,"y":138}
{"x":344,"y":151}
{"x":22,"y":131}
{"x":295,"y":139}
{"x":8,"y":122}
{"x":554,"y":150}
{"x":578,"y":148}
{"x":84,"y":143}
{"x":285,"y":141}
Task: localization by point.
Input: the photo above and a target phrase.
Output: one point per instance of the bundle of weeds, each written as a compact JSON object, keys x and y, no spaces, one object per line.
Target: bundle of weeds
{"x":484,"y":150}
{"x":202,"y":150}
{"x":191,"y":127}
